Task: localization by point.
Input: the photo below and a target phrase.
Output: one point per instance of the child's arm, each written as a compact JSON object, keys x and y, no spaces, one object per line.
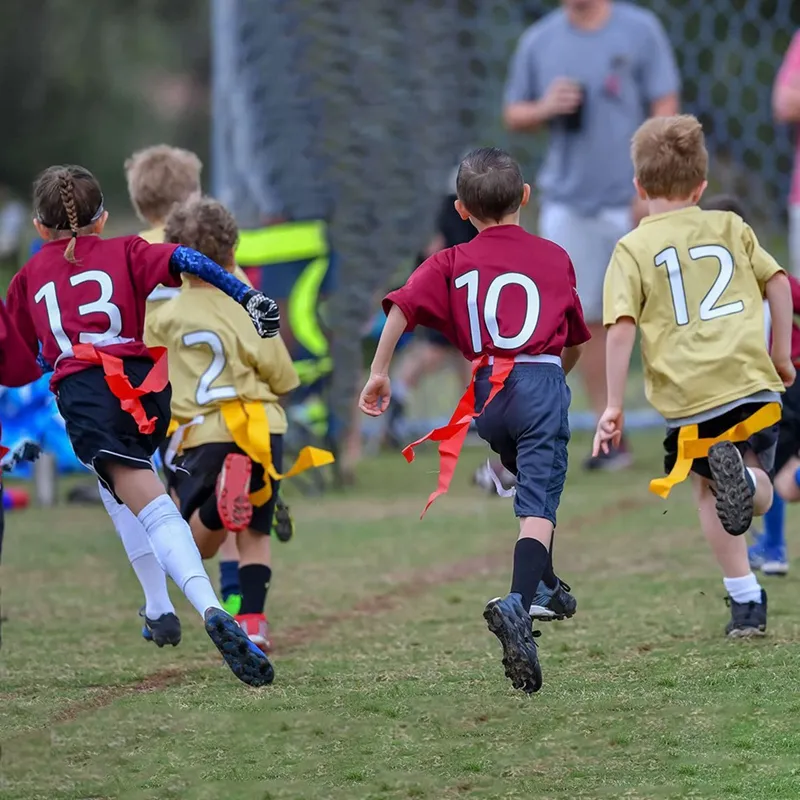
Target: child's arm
{"x":570,"y":356}
{"x":779,"y":297}
{"x":377,"y":393}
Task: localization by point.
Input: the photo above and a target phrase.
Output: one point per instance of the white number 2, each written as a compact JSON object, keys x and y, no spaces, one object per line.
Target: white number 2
{"x":708,"y":306}
{"x":102,"y":305}
{"x":491,"y":304}
{"x":205,"y":394}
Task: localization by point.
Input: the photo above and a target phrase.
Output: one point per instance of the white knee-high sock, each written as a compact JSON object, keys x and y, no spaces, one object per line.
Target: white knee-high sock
{"x":172,"y":542}
{"x":144,"y":562}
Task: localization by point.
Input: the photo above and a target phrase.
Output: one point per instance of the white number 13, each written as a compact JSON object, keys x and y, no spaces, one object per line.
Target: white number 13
{"x":708,"y":307}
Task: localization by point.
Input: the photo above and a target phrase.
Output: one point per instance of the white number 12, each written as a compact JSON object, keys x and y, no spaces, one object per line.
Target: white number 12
{"x":708,"y":307}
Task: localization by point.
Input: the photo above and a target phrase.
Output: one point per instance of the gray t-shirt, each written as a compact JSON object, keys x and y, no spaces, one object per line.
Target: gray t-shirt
{"x":623,"y":67}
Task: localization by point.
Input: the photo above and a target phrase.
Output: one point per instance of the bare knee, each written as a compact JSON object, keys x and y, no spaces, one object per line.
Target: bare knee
{"x":786,"y":482}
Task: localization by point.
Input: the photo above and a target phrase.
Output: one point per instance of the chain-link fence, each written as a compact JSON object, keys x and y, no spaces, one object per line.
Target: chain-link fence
{"x":356,"y":112}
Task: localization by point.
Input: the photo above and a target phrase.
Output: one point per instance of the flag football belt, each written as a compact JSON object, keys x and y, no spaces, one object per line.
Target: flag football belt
{"x":690,"y":446}
{"x":451,"y":436}
{"x":130,"y":397}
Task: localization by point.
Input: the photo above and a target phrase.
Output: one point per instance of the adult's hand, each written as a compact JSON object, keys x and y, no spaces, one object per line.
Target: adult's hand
{"x":563,"y":96}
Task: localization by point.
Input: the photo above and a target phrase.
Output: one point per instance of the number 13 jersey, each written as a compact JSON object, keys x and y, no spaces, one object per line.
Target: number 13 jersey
{"x":100,"y":299}
{"x":694,"y":281}
{"x":505,"y":293}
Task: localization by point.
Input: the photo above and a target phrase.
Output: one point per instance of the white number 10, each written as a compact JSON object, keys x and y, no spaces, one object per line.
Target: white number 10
{"x":708,"y":307}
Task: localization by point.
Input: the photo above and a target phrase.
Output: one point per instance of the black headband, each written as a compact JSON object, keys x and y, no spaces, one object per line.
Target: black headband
{"x":97,"y":215}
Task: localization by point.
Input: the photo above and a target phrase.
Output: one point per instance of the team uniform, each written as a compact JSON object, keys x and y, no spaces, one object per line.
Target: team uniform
{"x":693,"y":281}
{"x":227,"y":383}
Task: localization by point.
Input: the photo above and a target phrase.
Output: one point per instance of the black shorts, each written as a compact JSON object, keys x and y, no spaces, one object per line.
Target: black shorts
{"x":100,"y":431}
{"x":527,"y":425}
{"x":789,"y":427}
{"x":170,"y":475}
{"x":204,"y":464}
{"x":762,"y":444}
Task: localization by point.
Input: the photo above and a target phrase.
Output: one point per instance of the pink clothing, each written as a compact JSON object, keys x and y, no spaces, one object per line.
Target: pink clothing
{"x":790,"y":73}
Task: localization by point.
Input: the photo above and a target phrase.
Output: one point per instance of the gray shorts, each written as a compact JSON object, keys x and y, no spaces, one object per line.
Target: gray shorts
{"x":794,"y":240}
{"x":589,"y":241}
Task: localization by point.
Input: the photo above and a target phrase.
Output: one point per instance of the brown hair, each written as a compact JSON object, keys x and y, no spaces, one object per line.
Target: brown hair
{"x":205,"y":225}
{"x":725,"y":202}
{"x":67,"y":198}
{"x":669,"y":156}
{"x":489,"y":184}
{"x":160,"y":177}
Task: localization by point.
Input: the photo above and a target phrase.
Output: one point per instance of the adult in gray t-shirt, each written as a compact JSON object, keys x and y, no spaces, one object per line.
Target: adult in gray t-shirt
{"x":591,"y":71}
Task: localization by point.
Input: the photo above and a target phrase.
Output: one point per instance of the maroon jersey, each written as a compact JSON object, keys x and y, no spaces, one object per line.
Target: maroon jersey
{"x":505,"y":293}
{"x":98,"y":300}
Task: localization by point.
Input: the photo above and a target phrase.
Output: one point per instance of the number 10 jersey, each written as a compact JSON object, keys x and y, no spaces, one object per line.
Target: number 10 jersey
{"x":694,"y":282}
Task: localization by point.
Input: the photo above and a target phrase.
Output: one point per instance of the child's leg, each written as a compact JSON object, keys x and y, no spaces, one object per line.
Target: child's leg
{"x":255,"y":570}
{"x":229,"y":574}
{"x":152,"y":577}
{"x":787,"y":481}
{"x":207,"y":531}
{"x":762,"y":496}
{"x":170,"y":537}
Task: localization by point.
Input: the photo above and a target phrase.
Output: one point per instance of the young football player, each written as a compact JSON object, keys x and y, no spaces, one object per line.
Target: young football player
{"x":694,"y":281}
{"x":226,"y":388}
{"x":507,"y":300}
{"x":83,"y":298}
{"x":768,"y":551}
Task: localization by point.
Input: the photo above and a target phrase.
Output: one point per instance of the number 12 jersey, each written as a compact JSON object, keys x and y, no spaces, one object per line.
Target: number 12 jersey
{"x":694,"y":282}
{"x":505,"y":293}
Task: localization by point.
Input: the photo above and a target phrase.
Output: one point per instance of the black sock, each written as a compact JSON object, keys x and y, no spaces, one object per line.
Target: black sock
{"x":530,"y":560}
{"x":209,"y":514}
{"x":549,"y":576}
{"x":254,"y":582}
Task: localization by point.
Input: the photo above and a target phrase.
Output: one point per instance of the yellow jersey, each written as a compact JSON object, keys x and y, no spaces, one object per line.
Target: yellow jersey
{"x":693,"y":281}
{"x":215,"y":356}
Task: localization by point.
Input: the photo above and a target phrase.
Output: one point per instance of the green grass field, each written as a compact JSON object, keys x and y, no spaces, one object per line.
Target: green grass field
{"x":389,"y":685}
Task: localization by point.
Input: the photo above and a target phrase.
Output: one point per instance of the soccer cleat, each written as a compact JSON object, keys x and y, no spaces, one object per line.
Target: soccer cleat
{"x":246,"y":660}
{"x":772,"y":561}
{"x":747,"y":619}
{"x":282,"y":523}
{"x":733,"y":489}
{"x":232,"y":604}
{"x":233,"y":493}
{"x":553,"y":604}
{"x":257,"y":628}
{"x":164,"y":630}
{"x":511,"y":624}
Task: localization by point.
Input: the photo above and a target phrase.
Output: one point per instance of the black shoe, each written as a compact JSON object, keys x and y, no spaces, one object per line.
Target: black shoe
{"x":747,"y":619}
{"x":734,"y":489}
{"x":283,"y":524}
{"x":615,"y":459}
{"x":553,"y":604}
{"x":511,"y":624}
{"x":245,"y":659}
{"x":164,"y":630}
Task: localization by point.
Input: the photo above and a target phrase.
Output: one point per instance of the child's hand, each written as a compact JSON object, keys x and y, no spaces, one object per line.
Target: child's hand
{"x":376,"y":394}
{"x":264,"y":312}
{"x":785,"y":370}
{"x":609,"y":431}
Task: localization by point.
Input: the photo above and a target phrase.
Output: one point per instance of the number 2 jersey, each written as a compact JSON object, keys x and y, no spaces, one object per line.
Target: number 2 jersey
{"x":694,"y":282}
{"x":216,"y":355}
{"x":505,"y":293}
{"x":100,"y":299}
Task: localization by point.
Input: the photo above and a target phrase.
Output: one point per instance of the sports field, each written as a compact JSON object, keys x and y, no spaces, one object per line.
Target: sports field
{"x":389,"y":685}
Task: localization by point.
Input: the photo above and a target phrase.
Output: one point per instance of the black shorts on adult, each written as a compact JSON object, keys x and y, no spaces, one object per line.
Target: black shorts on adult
{"x":204,"y":464}
{"x":762,"y":444}
{"x":527,"y":425}
{"x":100,"y":431}
{"x":789,"y":427}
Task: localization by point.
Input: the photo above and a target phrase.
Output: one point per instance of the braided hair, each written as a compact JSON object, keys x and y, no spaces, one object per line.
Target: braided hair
{"x":67,"y":198}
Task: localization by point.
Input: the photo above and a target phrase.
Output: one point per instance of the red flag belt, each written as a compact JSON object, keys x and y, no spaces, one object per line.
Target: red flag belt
{"x":451,"y":436}
{"x":120,"y":385}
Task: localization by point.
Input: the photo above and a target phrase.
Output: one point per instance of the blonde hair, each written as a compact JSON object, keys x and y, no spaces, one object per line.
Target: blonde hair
{"x":205,"y":225}
{"x":669,"y":156}
{"x":160,"y":177}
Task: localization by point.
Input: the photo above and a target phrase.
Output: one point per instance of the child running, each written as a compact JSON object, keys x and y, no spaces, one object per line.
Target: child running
{"x":507,"y":300}
{"x":83,"y":298}
{"x":694,"y":281}
{"x":226,"y":385}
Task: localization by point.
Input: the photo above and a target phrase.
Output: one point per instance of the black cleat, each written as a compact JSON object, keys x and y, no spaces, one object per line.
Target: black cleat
{"x":747,"y":619}
{"x":247,"y":662}
{"x":164,"y":630}
{"x":733,"y":490}
{"x":553,"y":604}
{"x":511,"y":624}
{"x":282,"y":524}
